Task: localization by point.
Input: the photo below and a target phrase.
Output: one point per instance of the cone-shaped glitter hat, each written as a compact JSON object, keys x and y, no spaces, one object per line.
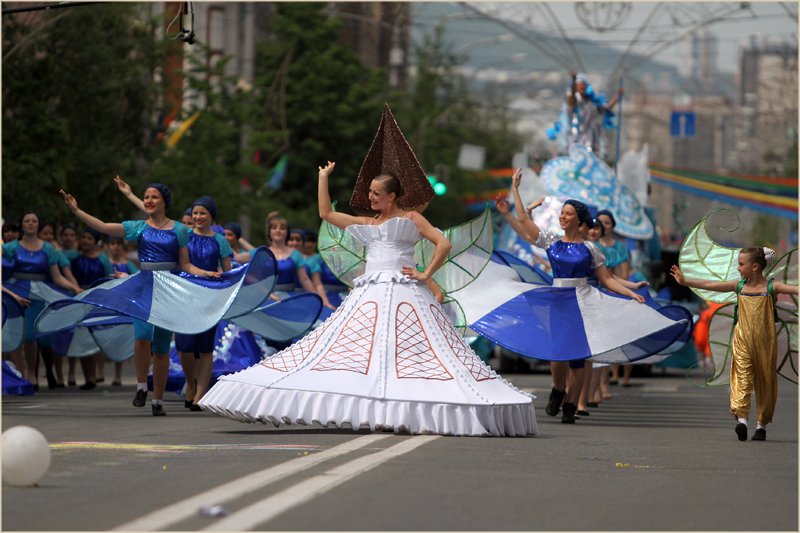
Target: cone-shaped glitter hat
{"x":390,"y":152}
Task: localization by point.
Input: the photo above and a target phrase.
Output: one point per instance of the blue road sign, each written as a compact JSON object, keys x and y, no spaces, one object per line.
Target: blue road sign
{"x":682,"y":124}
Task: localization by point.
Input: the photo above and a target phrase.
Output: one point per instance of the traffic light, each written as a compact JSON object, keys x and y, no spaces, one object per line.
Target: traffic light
{"x":438,"y":188}
{"x":440,"y":179}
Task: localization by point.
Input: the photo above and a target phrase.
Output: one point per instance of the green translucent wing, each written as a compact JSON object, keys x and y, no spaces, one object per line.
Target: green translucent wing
{"x":471,"y":251}
{"x":455,"y":314}
{"x":785,"y":270}
{"x":720,"y":342}
{"x":702,"y":258}
{"x":345,"y":255}
{"x":787,"y":341}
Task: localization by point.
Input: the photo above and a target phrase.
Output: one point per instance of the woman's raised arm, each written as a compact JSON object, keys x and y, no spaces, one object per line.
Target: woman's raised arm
{"x":114,"y":230}
{"x":522,"y":214}
{"x":326,"y":212}
{"x":126,"y":190}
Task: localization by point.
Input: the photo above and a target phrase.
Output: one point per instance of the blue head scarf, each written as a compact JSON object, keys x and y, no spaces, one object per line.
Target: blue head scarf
{"x":584,"y":217}
{"x":65,"y":227}
{"x":596,"y":223}
{"x":607,"y":213}
{"x":235,"y":228}
{"x":164,"y":190}
{"x":207,"y":202}
{"x":188,"y":212}
{"x":94,"y":233}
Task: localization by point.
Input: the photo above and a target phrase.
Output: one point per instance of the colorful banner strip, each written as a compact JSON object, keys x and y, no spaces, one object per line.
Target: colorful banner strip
{"x":763,"y":184}
{"x":778,"y":205}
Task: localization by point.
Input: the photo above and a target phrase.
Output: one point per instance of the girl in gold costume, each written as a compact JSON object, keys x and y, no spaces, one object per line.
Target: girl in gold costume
{"x":755,"y":348}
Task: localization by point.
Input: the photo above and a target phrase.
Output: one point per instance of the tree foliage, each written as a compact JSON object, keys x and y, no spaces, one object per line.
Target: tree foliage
{"x":77,"y":101}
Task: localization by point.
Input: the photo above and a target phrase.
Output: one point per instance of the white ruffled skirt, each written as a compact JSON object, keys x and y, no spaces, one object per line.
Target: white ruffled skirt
{"x":387,"y":358}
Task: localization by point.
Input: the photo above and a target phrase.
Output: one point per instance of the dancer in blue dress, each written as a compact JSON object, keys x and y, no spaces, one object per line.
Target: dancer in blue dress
{"x":571,"y":320}
{"x":119,"y":258}
{"x":33,"y":261}
{"x":157,"y":297}
{"x":89,"y":266}
{"x":207,"y":249}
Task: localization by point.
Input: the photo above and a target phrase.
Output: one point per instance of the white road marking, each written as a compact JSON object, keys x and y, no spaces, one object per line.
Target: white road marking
{"x":34,"y":406}
{"x":187,"y":508}
{"x":269,"y":508}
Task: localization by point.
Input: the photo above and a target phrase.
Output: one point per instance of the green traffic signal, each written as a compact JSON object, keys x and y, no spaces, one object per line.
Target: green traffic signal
{"x":439,"y":188}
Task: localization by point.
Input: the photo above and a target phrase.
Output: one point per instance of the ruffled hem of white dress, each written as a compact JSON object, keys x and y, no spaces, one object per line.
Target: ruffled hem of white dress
{"x":255,"y":403}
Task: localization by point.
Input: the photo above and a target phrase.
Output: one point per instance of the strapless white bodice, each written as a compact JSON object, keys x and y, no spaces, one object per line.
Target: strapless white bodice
{"x":390,"y":246}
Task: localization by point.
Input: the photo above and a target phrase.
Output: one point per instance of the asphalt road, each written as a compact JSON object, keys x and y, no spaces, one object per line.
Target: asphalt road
{"x":661,"y":455}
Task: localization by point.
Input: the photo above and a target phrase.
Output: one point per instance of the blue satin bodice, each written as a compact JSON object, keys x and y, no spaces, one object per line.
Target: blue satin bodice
{"x":287,"y":270}
{"x":31,"y":262}
{"x":570,"y":259}
{"x":204,"y":252}
{"x":158,"y":246}
{"x":87,"y":270}
{"x":123,"y":268}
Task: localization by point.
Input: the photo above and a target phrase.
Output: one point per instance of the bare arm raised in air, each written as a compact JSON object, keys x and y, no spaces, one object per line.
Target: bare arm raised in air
{"x":126,"y":190}
{"x":326,"y":212}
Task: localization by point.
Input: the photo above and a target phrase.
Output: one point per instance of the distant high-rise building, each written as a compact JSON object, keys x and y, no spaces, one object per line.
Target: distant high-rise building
{"x":767,"y":103}
{"x":699,"y":55}
{"x":379,"y":34}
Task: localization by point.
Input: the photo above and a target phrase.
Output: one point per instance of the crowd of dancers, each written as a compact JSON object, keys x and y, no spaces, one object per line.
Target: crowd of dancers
{"x":384,"y":350}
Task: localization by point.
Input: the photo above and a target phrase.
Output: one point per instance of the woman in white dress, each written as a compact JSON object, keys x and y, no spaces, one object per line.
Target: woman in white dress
{"x":388,"y":357}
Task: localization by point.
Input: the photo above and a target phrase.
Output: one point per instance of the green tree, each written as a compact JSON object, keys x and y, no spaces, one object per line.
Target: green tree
{"x":77,"y":102}
{"x":438,"y":113}
{"x":320,"y":103}
{"x":210,"y":158}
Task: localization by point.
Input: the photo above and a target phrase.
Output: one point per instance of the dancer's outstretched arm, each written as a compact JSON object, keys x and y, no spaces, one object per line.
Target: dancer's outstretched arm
{"x":504,"y":208}
{"x":443,"y":247}
{"x":126,"y":190}
{"x":522,"y":214}
{"x":613,"y":285}
{"x":114,"y":230}
{"x":326,"y":212}
{"x":629,"y":284}
{"x":783,"y":288}
{"x":716,"y":286}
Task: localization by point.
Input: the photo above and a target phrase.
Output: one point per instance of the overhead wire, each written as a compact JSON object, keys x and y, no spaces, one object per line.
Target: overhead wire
{"x":564,"y":35}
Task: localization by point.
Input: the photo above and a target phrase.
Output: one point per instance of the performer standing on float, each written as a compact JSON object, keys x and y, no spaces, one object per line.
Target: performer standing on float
{"x":584,"y":116}
{"x":388,"y":357}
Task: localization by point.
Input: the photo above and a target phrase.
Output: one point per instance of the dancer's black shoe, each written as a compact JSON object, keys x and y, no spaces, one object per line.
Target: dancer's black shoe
{"x":760,"y":434}
{"x":158,"y":410}
{"x":568,"y":413}
{"x":556,"y":397}
{"x":741,"y":431}
{"x":140,"y":399}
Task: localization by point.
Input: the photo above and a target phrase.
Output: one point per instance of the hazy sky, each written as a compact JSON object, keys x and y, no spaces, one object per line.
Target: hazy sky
{"x":766,"y":18}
